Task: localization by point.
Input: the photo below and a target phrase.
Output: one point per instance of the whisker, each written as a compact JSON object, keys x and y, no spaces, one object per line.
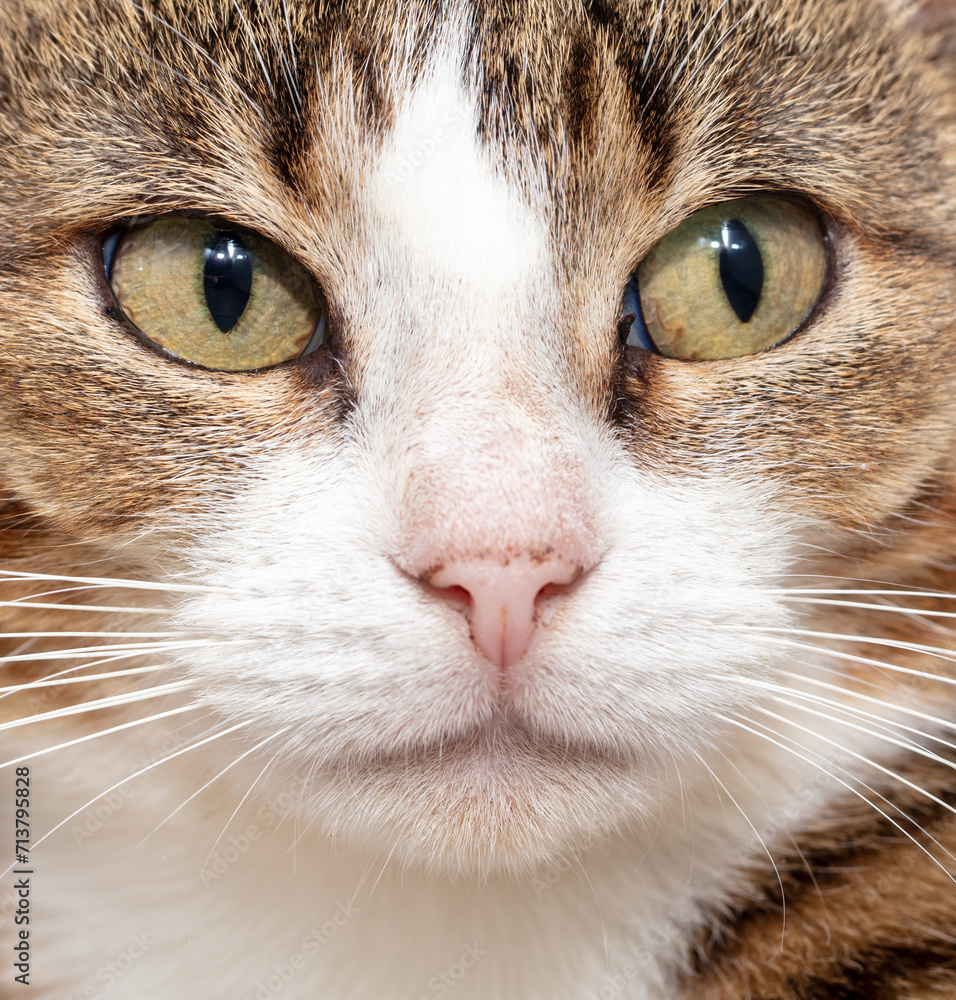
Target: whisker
{"x":128,"y":698}
{"x":850,"y":788}
{"x":858,"y":712}
{"x":92,"y":635}
{"x":884,"y":587}
{"x":866,"y":661}
{"x":255,"y":47}
{"x":693,"y":46}
{"x":893,"y":608}
{"x":24,"y":602}
{"x":886,"y":726}
{"x":216,"y":777}
{"x":80,"y":666}
{"x":132,"y":648}
{"x":192,"y":707}
{"x":650,"y":41}
{"x":255,"y":782}
{"x":47,"y":682}
{"x":136,"y":774}
{"x":101,"y":581}
{"x":714,"y":48}
{"x":368,"y":899}
{"x":756,"y":833}
{"x":199,"y":50}
{"x":882,"y":723}
{"x":789,"y":836}
{"x":291,"y":88}
{"x":288,"y":29}
{"x":860,"y":757}
{"x":914,"y":647}
{"x":896,"y":707}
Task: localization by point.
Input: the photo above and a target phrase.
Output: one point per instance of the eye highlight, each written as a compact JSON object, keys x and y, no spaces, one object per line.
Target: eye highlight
{"x":225,"y":299}
{"x":731,"y":280}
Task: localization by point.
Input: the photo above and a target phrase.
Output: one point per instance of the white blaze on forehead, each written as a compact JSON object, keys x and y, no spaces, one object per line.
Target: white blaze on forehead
{"x":445,"y":199}
{"x":477,"y":446}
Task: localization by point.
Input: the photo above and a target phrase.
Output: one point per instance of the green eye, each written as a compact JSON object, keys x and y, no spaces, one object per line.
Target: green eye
{"x":221,"y":298}
{"x":731,"y":280}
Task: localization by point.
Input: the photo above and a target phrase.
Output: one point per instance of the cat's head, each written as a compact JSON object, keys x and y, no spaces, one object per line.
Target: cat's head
{"x":504,"y":528}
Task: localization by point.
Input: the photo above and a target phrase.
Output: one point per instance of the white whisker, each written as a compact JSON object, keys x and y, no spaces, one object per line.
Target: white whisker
{"x":789,"y":836}
{"x":58,"y":682}
{"x":78,"y":667}
{"x":882,"y":723}
{"x":881,"y":587}
{"x":255,"y":782}
{"x":884,"y":727}
{"x":291,"y":88}
{"x":101,"y":581}
{"x":25,"y":602}
{"x":255,"y":47}
{"x":92,"y":635}
{"x":650,"y":41}
{"x":893,"y":608}
{"x":202,"y":53}
{"x":288,"y":29}
{"x":865,"y":661}
{"x":940,"y":652}
{"x":131,"y":648}
{"x":881,"y":720}
{"x":136,"y":774}
{"x":693,"y":46}
{"x":756,"y":833}
{"x":192,"y":707}
{"x":870,"y":699}
{"x":850,"y":788}
{"x":114,"y":701}
{"x":703,"y":63}
{"x":860,"y":757}
{"x":216,"y":777}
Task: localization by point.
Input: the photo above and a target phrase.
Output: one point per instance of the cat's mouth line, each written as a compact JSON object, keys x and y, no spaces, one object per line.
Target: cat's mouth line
{"x":504,"y":742}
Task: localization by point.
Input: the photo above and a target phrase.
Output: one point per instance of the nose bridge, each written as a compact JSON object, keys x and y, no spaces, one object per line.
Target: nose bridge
{"x":465,"y":408}
{"x":490,"y":480}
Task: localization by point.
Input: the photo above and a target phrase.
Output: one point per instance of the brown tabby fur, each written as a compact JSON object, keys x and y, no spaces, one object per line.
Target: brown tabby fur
{"x":107,"y":114}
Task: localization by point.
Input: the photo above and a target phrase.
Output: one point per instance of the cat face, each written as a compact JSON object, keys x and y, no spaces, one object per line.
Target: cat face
{"x":480,"y":565}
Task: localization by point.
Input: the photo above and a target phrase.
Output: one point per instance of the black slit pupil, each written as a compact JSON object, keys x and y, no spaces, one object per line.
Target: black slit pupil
{"x":741,"y":269}
{"x":227,"y":279}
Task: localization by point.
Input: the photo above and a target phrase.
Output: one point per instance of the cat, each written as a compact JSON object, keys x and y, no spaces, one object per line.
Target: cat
{"x":478,"y":499}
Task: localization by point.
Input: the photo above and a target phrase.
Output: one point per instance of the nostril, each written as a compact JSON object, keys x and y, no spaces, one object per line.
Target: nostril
{"x":501,"y":598}
{"x":456,"y":596}
{"x":555,"y":590}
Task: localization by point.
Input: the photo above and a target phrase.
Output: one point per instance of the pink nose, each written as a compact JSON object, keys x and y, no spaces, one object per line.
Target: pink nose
{"x":503,"y":599}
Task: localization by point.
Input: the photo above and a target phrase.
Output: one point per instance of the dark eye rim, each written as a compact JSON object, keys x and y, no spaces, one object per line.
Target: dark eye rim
{"x":103,"y":246}
{"x":829,"y":230}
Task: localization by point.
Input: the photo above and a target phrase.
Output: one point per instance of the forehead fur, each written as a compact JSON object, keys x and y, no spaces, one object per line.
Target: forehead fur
{"x":576,"y":85}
